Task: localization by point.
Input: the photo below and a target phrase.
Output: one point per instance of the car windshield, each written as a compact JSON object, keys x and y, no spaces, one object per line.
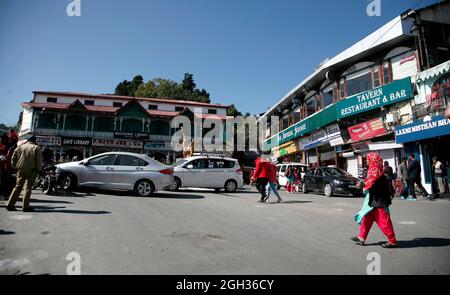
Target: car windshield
{"x":335,"y":172}
{"x":180,"y":162}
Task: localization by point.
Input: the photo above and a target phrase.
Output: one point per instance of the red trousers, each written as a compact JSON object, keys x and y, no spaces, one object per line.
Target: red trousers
{"x":383,"y":220}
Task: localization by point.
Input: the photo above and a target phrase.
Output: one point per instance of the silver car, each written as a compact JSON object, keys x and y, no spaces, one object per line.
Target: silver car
{"x":117,"y":171}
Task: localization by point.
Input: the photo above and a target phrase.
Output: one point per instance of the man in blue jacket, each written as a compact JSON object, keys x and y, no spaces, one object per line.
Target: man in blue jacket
{"x":414,"y":178}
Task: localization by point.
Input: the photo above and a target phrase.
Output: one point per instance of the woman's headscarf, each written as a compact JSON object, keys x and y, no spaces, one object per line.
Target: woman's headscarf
{"x":375,"y":170}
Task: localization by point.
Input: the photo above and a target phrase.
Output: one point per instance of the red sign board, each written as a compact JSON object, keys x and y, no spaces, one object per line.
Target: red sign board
{"x":367,"y":130}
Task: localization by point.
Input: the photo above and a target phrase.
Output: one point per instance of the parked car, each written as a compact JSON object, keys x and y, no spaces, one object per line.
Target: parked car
{"x":208,"y":172}
{"x":281,"y":169}
{"x":331,"y":181}
{"x":116,"y":171}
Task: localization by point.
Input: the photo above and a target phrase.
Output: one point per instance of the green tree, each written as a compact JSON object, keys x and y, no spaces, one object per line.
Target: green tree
{"x":233,"y":111}
{"x":128,"y":88}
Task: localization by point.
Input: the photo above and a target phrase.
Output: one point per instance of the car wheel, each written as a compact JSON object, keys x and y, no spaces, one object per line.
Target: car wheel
{"x":328,"y":190}
{"x":144,"y":188}
{"x":176,"y":184}
{"x":230,"y":186}
{"x":304,"y":188}
{"x":68,"y":182}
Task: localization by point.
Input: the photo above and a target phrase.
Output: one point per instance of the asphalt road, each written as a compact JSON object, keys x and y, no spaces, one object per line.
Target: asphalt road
{"x":202,"y":232}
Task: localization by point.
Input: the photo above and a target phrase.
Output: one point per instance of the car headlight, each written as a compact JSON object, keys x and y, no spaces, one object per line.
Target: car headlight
{"x":338,"y":182}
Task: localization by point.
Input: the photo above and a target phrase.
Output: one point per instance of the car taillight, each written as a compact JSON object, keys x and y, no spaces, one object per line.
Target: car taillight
{"x":239,"y":171}
{"x":166,"y":171}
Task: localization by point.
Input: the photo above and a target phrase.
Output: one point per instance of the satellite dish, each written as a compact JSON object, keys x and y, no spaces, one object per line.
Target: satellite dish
{"x":330,"y":75}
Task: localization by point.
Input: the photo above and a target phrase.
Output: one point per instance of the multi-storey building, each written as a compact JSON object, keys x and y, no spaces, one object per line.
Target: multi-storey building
{"x":352,"y":103}
{"x":81,"y":125}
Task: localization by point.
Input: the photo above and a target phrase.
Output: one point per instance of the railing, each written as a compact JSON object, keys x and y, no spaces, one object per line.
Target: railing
{"x":74,"y":133}
{"x":160,"y":137}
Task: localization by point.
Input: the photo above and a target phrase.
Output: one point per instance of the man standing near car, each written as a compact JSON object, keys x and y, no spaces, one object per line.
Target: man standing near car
{"x":414,"y":178}
{"x":27,"y":160}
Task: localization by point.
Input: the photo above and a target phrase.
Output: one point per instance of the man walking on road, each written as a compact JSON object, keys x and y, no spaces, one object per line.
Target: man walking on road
{"x":273,"y":181}
{"x":403,"y":175}
{"x":27,"y":160}
{"x":414,"y":178}
{"x":261,"y":176}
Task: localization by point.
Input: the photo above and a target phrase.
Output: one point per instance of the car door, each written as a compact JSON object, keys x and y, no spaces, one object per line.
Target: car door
{"x":310,"y":179}
{"x":98,"y":171}
{"x":319,"y":180}
{"x":126,"y":170}
{"x":216,"y":174}
{"x":190,"y":173}
{"x":200,"y":176}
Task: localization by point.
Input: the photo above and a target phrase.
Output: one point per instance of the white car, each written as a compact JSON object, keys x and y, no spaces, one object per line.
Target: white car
{"x":281,"y":169}
{"x":208,"y":172}
{"x":117,"y":171}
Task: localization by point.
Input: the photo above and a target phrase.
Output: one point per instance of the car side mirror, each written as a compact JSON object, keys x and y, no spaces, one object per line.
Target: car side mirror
{"x":85,"y":163}
{"x":190,"y":167}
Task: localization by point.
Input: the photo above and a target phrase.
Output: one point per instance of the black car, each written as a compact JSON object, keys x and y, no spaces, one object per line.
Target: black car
{"x":331,"y":181}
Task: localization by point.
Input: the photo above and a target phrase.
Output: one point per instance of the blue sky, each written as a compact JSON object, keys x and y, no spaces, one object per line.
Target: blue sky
{"x":246,"y":52}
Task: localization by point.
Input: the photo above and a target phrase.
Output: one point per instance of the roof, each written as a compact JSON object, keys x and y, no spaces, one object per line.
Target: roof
{"x":113,"y":97}
{"x":395,"y":30}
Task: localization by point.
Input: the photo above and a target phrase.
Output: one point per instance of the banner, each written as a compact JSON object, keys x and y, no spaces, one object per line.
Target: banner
{"x":423,"y":129}
{"x":131,"y":135}
{"x":367,"y":130}
{"x":48,"y":140}
{"x":76,"y":141}
{"x":117,"y":143}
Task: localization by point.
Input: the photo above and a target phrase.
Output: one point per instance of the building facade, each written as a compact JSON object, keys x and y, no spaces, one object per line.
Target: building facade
{"x":352,"y":103}
{"x":81,"y":125}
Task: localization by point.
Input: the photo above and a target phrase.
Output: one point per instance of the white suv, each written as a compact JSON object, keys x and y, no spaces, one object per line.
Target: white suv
{"x":208,"y":172}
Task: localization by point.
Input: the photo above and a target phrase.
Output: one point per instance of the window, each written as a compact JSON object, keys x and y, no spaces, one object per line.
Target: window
{"x":327,"y":96}
{"x":387,"y":72}
{"x":218,"y":163}
{"x":179,"y":109}
{"x":117,"y":104}
{"x":212,"y":111}
{"x":376,"y":76}
{"x":296,"y":115}
{"x":104,"y":160}
{"x":89,"y":102}
{"x":199,"y":164}
{"x":318,"y":102}
{"x":310,"y":106}
{"x":152,"y":107}
{"x":285,"y":122}
{"x":342,"y":92}
{"x":125,"y":160}
{"x":359,"y":81}
{"x":52,"y":99}
{"x":319,"y":172}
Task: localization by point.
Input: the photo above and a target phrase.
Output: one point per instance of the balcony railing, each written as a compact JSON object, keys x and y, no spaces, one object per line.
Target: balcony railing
{"x":93,"y":134}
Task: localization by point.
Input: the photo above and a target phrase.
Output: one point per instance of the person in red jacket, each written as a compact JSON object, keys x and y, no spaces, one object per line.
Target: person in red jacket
{"x":261,"y":176}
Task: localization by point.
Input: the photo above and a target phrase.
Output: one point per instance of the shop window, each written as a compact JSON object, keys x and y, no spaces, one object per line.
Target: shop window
{"x":376,"y":76}
{"x":358,"y":82}
{"x":387,"y":72}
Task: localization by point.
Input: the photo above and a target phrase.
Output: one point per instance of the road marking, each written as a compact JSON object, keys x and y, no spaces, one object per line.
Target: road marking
{"x":337,"y":210}
{"x":407,"y":222}
{"x":13,"y":263}
{"x":259,"y":206}
{"x":21,"y":217}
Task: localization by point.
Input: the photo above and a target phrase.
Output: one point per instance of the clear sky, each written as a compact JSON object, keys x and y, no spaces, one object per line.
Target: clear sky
{"x":246,"y":52}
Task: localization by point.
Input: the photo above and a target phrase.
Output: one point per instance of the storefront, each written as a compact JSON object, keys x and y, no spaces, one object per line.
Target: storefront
{"x":426,"y":138}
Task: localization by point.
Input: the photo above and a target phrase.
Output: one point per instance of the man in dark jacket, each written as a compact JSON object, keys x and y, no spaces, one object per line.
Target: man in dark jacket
{"x":261,"y":176}
{"x":414,"y":178}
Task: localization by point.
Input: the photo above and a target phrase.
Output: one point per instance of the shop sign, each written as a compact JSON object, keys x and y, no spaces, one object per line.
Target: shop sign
{"x":334,"y":135}
{"x":423,"y":129}
{"x":316,"y":139}
{"x":48,"y":140}
{"x":117,"y":143}
{"x":131,"y":135}
{"x":76,"y":141}
{"x":293,"y":132}
{"x":394,"y":92}
{"x":285,"y":149}
{"x":367,"y":130}
{"x":156,"y":146}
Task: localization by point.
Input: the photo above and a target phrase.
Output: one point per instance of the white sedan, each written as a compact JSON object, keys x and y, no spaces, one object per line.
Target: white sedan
{"x":117,"y":171}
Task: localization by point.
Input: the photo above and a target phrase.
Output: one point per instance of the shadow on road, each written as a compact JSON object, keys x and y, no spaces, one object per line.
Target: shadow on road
{"x":295,"y":202}
{"x":44,"y":209}
{"x":424,"y":242}
{"x":6,"y":232}
{"x":176,"y":196}
{"x":50,"y":201}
